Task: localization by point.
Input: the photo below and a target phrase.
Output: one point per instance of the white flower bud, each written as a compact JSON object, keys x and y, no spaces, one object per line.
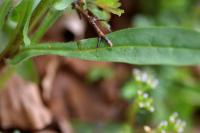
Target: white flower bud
{"x":144,"y":77}
{"x":163,"y":131}
{"x":145,"y":95}
{"x":139,"y":92}
{"x":152,"y":109}
{"x":147,"y":129}
{"x":164,"y":123}
{"x":141,"y":105}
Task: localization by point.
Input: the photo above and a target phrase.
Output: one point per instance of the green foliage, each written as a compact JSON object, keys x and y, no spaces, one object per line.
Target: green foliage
{"x":182,"y":13}
{"x":136,"y":46}
{"x":173,"y":124}
{"x":110,"y":6}
{"x":21,"y":30}
{"x":62,"y":4}
{"x":99,"y":73}
{"x":4,"y":9}
{"x":102,"y":9}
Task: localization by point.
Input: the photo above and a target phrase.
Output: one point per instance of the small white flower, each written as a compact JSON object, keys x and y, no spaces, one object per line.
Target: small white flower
{"x":152,"y":109}
{"x":180,"y":130}
{"x":183,"y":123}
{"x":147,"y":129}
{"x":145,"y":95}
{"x":175,"y":114}
{"x":136,"y":71}
{"x":139,"y":92}
{"x":148,"y":104}
{"x":172,"y":119}
{"x":141,"y":105}
{"x":138,"y":78}
{"x":178,"y":122}
{"x":163,"y":123}
{"x":163,"y":131}
{"x":154,"y":83}
{"x":144,"y":77}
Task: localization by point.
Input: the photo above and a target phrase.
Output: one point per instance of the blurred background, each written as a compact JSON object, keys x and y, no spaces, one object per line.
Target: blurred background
{"x":63,"y":95}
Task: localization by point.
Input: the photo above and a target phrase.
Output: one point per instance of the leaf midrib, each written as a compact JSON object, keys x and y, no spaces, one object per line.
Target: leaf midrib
{"x":51,"y":47}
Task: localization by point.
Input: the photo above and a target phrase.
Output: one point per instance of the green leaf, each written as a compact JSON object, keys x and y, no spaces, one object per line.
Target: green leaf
{"x":16,"y":16}
{"x":166,"y":46}
{"x":98,"y":73}
{"x":110,"y":6}
{"x":26,"y":26}
{"x":100,"y":14}
{"x":63,"y":4}
{"x":6,"y":74}
{"x":18,"y":34}
{"x":3,"y":41}
{"x":28,"y":71}
{"x":5,"y":7}
{"x":47,"y":22}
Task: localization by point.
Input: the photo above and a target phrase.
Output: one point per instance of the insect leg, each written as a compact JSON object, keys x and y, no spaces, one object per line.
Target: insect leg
{"x":99,"y":41}
{"x":108,"y":41}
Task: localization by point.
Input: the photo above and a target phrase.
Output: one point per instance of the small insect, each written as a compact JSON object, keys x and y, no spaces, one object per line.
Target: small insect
{"x":92,"y":20}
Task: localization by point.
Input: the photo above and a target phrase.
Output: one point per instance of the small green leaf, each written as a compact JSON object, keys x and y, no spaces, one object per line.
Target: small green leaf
{"x":28,"y":71}
{"x":3,"y":41}
{"x":112,"y":6}
{"x":163,"y":46}
{"x":100,"y":14}
{"x":47,"y":22}
{"x":98,"y":73}
{"x":16,"y":16}
{"x":5,"y":7}
{"x":63,"y":4}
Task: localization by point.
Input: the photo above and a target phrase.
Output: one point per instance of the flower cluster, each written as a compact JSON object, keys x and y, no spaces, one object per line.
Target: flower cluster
{"x":144,"y":83}
{"x":144,"y":101}
{"x":145,"y":78}
{"x":174,"y":124}
{"x":139,"y":88}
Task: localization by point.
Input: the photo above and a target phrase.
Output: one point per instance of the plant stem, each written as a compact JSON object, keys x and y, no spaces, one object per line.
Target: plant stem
{"x":6,"y":74}
{"x":4,"y":9}
{"x":132,"y":111}
{"x":48,"y":21}
{"x":39,"y":12}
{"x":15,"y":40}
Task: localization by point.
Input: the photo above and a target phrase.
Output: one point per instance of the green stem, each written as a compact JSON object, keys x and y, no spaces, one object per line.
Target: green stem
{"x":4,"y":9}
{"x":6,"y":74}
{"x":17,"y":37}
{"x":132,"y":111}
{"x":49,"y":20}
{"x":39,"y":12}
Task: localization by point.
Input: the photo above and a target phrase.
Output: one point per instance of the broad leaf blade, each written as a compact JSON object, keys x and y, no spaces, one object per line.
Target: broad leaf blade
{"x":166,"y":46}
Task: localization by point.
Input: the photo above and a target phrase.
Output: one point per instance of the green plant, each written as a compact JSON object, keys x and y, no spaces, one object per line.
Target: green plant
{"x":135,"y":46}
{"x":139,"y":92}
{"x":21,"y":30}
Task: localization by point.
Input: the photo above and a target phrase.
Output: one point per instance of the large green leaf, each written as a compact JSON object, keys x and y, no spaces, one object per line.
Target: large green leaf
{"x":166,"y":46}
